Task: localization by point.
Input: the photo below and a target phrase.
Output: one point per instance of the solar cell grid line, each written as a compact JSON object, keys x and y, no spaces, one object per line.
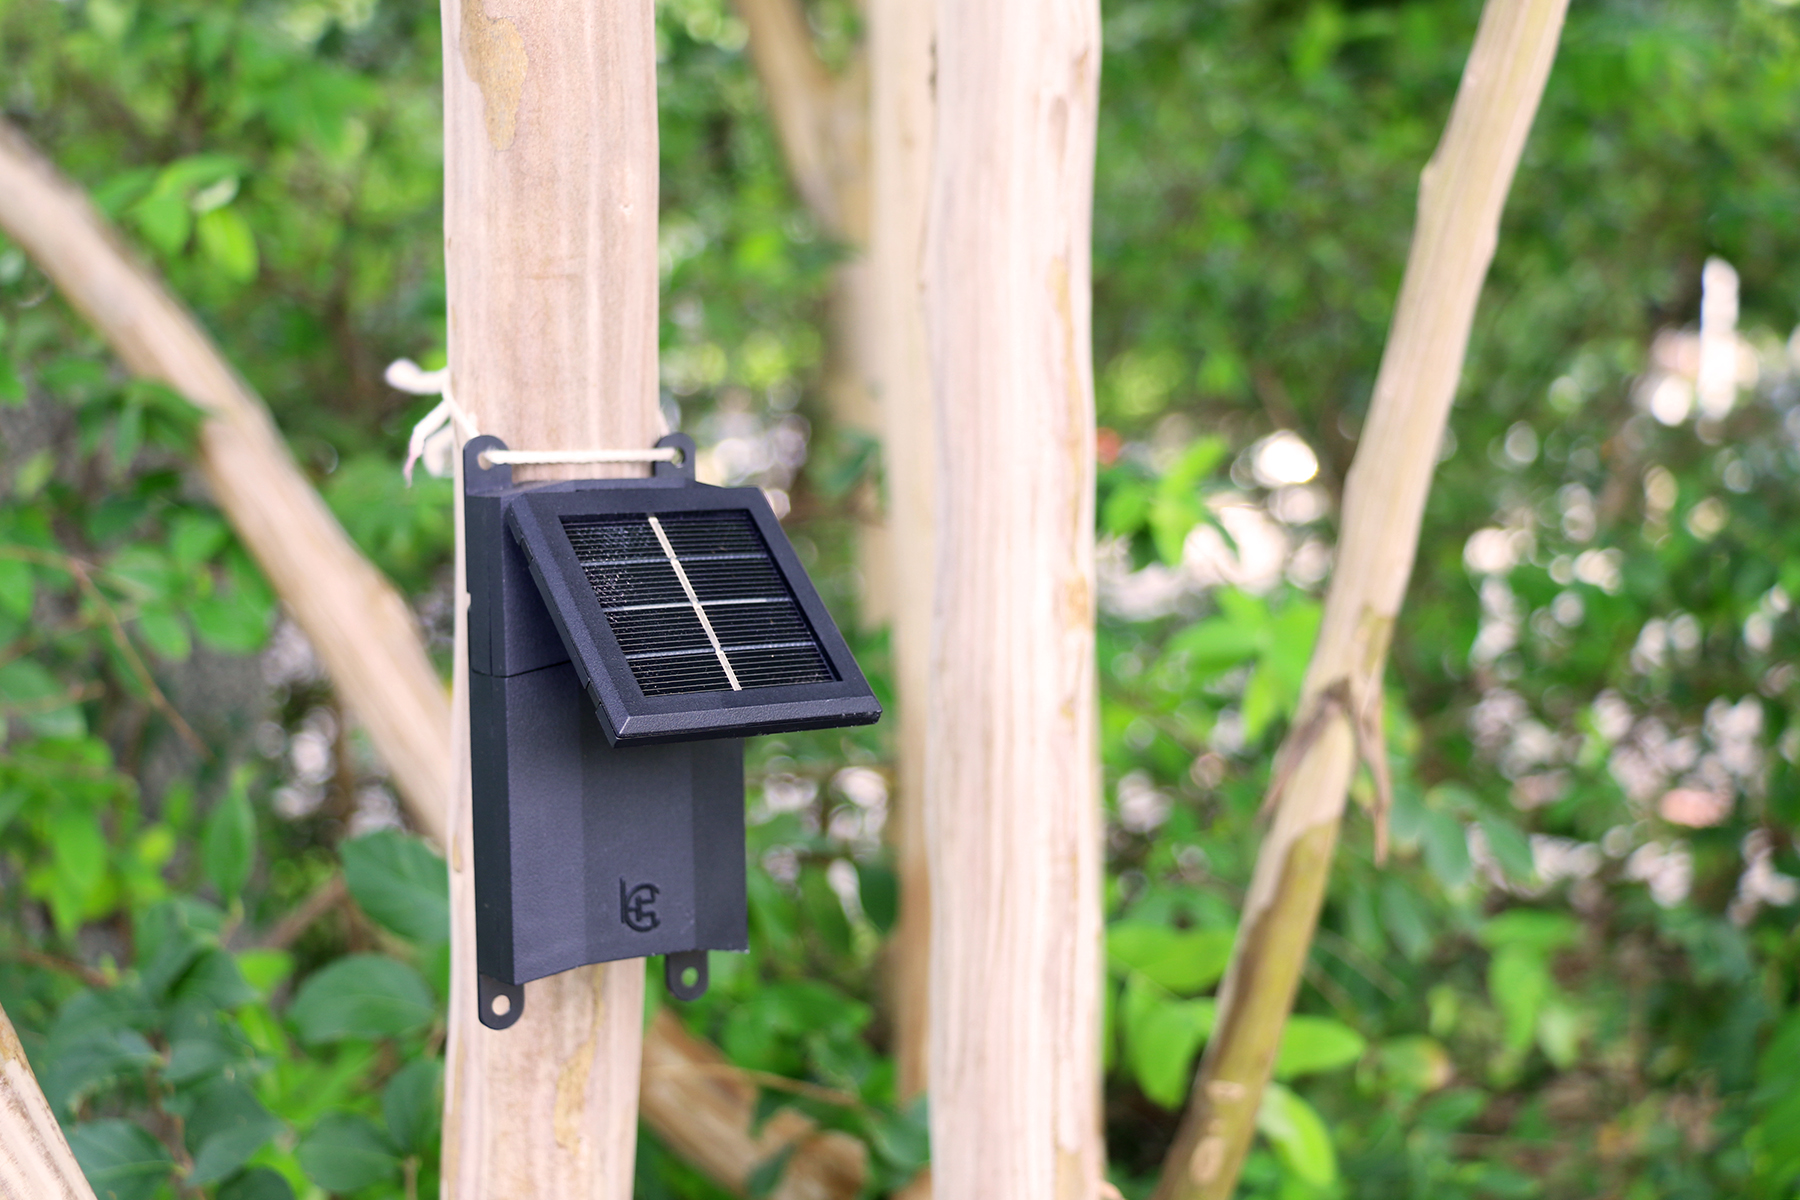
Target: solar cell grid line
{"x":686,"y":586}
{"x":696,"y":602}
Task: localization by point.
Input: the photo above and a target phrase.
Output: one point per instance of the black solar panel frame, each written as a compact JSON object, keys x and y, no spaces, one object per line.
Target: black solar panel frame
{"x":626,"y":713}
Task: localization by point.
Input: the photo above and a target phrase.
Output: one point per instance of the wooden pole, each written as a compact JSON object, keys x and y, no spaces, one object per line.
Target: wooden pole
{"x":1012,"y":790}
{"x":35,"y":1161}
{"x":900,"y":33}
{"x":1461,"y":195}
{"x":550,"y":212}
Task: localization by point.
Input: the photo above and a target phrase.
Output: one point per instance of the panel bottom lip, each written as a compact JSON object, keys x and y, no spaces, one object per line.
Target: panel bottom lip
{"x":511,"y":976}
{"x":650,"y":728}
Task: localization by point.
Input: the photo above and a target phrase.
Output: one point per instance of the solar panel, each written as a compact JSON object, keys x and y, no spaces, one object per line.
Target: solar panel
{"x":696,"y":602}
{"x":683,"y":607}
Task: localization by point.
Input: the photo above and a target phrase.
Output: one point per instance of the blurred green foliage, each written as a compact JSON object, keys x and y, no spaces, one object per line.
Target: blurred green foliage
{"x":1575,"y":978}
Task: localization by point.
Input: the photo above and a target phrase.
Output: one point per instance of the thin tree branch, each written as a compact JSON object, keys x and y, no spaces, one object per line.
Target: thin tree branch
{"x":84,"y":575}
{"x":705,"y":1110}
{"x":92,"y":976}
{"x":1461,"y":195}
{"x":129,"y":653}
{"x":35,"y":1161}
{"x":820,"y":118}
{"x":306,"y":914}
{"x":354,"y":617}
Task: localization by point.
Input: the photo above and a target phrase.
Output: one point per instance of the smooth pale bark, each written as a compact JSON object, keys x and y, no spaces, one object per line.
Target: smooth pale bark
{"x":550,"y":212}
{"x":35,"y":1161}
{"x":1461,"y":195}
{"x":356,"y":621}
{"x":1012,"y":807}
{"x":684,"y":1074}
{"x":900,"y":33}
{"x":73,"y":245}
{"x":822,"y":121}
{"x":859,"y":155}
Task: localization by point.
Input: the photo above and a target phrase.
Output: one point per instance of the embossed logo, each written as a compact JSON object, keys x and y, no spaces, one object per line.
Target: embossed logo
{"x":637,"y":906}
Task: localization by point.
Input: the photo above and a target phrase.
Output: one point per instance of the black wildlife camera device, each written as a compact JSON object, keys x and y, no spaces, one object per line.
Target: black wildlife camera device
{"x":625,"y":636}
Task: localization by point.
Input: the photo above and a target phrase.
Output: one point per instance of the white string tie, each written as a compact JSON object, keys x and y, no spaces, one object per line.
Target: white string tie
{"x":433,"y":438}
{"x":538,"y":458}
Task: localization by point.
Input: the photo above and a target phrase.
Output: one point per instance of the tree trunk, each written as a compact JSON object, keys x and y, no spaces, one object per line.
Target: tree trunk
{"x":838,"y":138}
{"x":1012,"y":799}
{"x":35,"y":1161}
{"x":550,"y":236}
{"x":1461,"y":196}
{"x":900,"y":33}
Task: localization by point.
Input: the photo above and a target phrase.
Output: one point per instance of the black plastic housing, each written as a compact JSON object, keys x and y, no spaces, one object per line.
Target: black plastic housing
{"x":607,"y":824}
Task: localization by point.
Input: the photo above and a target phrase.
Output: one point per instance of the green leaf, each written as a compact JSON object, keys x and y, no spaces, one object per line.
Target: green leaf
{"x":1519,"y":983}
{"x":194,"y":538}
{"x":1531,"y":928}
{"x":122,"y":1007}
{"x":1216,"y":645}
{"x":12,"y":388}
{"x":120,"y":1160}
{"x":345,"y":1153}
{"x":165,"y":633}
{"x":1446,"y":848}
{"x":1292,"y":633}
{"x":18,"y":587}
{"x":1162,"y":1036}
{"x":766,"y":1177}
{"x":362,"y":996}
{"x":230,"y":623}
{"x":226,"y":1125}
{"x":1184,"y":961}
{"x":1310,"y":1045}
{"x":1126,"y":509}
{"x":74,"y":880}
{"x":1262,"y":701}
{"x":33,"y":474}
{"x":400,"y":883}
{"x":1415,"y":1064}
{"x":170,"y":936}
{"x":824,"y":911}
{"x":78,"y":1065}
{"x":24,"y":682}
{"x":879,"y":888}
{"x":226,"y":241}
{"x":1559,"y":1032}
{"x":228,"y":843}
{"x":203,"y":1049}
{"x":411,"y":1105}
{"x":1299,"y":1136}
{"x":1172,"y":517}
{"x":1510,"y":847}
{"x":1404,"y":916}
{"x":259,"y":1183}
{"x":165,"y":221}
{"x":265,"y":969}
{"x":213,"y":983}
{"x":1197,"y":462}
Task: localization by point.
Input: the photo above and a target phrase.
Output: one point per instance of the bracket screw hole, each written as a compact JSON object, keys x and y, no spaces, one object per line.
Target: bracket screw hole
{"x":502,"y":1005}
